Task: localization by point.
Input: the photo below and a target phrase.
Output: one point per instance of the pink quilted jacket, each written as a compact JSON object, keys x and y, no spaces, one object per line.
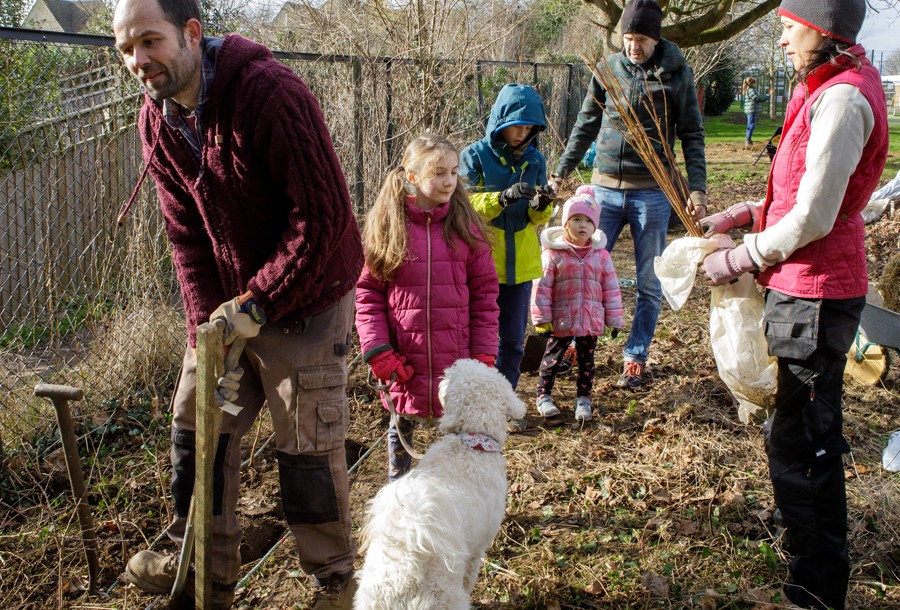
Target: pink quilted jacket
{"x":441,"y":306}
{"x":580,"y":296}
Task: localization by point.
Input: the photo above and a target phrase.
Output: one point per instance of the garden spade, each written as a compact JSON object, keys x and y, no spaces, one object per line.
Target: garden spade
{"x":210,"y":367}
{"x":60,"y":395}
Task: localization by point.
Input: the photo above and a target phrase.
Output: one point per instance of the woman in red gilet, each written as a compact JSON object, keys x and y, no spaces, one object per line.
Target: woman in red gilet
{"x":808,"y":250}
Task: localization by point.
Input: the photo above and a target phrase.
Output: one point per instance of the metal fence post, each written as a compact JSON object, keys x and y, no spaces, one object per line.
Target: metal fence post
{"x":568,"y":115}
{"x":359,"y":186}
{"x":480,"y":94}
{"x":388,"y":108}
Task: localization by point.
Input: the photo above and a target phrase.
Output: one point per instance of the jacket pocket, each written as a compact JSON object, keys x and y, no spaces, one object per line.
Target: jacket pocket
{"x":562,"y":317}
{"x":792,"y":325}
{"x":322,"y":411}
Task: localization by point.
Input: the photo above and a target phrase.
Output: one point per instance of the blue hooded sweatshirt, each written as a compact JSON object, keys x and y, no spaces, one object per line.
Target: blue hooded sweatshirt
{"x":491,"y":165}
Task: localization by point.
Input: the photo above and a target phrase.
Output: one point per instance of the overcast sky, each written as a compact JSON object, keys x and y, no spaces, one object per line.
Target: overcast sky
{"x":879,"y":31}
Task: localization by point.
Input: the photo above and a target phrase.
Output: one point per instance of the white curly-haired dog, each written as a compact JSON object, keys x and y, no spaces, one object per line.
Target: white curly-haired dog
{"x":426,"y":533}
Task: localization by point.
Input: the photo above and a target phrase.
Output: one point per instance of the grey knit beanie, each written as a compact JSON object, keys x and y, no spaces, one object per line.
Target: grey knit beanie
{"x":838,"y":19}
{"x":643,"y":17}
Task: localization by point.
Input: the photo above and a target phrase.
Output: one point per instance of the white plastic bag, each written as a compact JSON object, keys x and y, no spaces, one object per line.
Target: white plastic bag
{"x":890,"y":457}
{"x":881,"y":199}
{"x":737,"y":334}
{"x":676,"y":268}
{"x":891,"y":190}
{"x":736,"y":328}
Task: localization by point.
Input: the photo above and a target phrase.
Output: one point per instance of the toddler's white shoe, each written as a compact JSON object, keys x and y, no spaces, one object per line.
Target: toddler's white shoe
{"x":582,"y":408}
{"x":546,"y":407}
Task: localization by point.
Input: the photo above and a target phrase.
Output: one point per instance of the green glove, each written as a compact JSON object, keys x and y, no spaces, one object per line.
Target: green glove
{"x":544,"y":330}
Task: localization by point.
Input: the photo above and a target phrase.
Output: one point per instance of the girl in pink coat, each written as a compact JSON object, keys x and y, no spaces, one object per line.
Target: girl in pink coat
{"x":428,"y":293}
{"x":578,"y":296}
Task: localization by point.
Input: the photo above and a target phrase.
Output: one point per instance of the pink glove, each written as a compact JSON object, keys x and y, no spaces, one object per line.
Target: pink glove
{"x":738,"y":215}
{"x":485,"y":359}
{"x":727,"y":264}
{"x":388,"y":363}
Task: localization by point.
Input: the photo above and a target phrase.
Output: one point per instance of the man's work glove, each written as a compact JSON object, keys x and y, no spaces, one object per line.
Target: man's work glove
{"x":486,"y":359}
{"x":697,"y":204}
{"x":243,"y":317}
{"x":738,"y":215}
{"x":727,"y":264}
{"x":544,"y":330}
{"x":520,"y":190}
{"x":545,"y":196}
{"x":227,"y":390}
{"x":387,"y":364}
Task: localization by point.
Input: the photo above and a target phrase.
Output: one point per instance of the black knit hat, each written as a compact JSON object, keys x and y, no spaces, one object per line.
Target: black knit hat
{"x":838,"y":19}
{"x":643,"y":17}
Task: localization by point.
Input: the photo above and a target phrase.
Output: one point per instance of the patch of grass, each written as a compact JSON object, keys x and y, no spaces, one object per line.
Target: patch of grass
{"x":893,"y":161}
{"x":723,"y":174}
{"x":731,"y":126}
{"x":73,"y":315}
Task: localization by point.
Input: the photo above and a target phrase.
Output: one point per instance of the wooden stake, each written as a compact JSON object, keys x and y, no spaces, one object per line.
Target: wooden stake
{"x":210,"y":364}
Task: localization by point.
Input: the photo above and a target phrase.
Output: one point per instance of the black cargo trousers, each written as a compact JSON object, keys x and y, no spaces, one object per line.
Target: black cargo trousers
{"x":810,"y":338}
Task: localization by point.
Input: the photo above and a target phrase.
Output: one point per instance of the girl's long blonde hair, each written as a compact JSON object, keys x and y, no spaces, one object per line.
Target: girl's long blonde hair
{"x":385,"y":235}
{"x":748,"y":82}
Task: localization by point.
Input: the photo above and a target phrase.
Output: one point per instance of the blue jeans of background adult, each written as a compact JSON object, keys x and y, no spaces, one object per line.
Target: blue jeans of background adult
{"x":513,"y":301}
{"x":751,"y":125}
{"x":646,"y":212}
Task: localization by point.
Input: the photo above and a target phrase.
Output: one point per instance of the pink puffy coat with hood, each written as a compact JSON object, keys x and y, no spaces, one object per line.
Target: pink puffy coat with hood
{"x":579,"y":294}
{"x":441,"y":306}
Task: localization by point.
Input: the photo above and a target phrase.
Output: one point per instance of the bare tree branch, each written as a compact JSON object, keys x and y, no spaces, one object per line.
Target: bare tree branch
{"x":691,"y":22}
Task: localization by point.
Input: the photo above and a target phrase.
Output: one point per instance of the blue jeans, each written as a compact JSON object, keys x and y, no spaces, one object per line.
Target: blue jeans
{"x":399,"y":459}
{"x":751,"y":125}
{"x":646,"y":212}
{"x":513,"y":301}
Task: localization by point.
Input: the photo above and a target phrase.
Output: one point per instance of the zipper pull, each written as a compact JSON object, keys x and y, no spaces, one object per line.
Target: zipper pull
{"x":812,"y":387}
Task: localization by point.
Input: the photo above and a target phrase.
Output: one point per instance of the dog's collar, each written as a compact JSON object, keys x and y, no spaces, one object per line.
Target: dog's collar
{"x":480,"y":442}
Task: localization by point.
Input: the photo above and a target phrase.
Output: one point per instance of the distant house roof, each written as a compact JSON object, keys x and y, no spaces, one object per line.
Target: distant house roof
{"x":62,"y":15}
{"x":293,"y":14}
{"x":890,"y":78}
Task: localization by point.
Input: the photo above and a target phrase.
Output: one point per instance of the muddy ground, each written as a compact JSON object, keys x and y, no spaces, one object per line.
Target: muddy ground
{"x":661,"y":501}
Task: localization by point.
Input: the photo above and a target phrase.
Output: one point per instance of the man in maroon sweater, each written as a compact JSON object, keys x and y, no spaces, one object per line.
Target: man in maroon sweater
{"x":262,"y":233}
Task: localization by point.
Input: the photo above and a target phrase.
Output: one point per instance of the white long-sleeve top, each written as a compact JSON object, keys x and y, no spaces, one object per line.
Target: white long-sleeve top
{"x":840,"y":125}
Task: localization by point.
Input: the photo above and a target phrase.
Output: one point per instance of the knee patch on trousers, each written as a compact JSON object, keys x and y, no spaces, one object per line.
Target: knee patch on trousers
{"x":307,"y":489}
{"x":184,"y":456}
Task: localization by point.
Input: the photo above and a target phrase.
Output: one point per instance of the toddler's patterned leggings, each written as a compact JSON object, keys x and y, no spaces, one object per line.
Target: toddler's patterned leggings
{"x":553,"y":355}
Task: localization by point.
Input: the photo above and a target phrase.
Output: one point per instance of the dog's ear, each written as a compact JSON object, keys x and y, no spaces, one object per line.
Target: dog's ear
{"x":515,"y":408}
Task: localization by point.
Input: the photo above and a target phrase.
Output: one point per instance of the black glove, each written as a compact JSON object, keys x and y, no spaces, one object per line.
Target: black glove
{"x":614,"y":333}
{"x":520,"y":190}
{"x":544,"y":199}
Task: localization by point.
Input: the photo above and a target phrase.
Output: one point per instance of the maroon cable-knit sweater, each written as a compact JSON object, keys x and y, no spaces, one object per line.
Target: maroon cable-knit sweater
{"x":266,"y":209}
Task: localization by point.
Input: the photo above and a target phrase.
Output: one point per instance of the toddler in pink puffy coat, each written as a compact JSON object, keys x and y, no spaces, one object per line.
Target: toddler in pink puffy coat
{"x":577,"y":297}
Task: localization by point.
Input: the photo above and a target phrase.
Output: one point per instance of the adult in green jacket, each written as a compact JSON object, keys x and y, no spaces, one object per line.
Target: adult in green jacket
{"x":652,"y":73}
{"x":752,"y":100}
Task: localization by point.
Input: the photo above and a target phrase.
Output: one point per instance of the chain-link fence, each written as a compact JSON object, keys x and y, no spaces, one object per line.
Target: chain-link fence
{"x":87,"y":304}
